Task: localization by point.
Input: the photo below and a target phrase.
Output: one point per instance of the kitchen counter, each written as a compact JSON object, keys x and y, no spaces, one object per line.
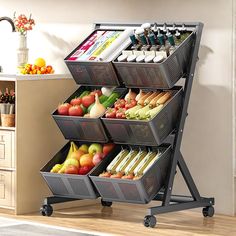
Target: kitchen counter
{"x":15,"y":77}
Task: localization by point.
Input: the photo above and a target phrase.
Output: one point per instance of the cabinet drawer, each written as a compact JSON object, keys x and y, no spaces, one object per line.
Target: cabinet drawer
{"x":7,"y":188}
{"x":7,"y":149}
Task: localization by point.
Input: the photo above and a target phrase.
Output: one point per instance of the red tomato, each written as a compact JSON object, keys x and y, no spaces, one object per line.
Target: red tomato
{"x":120,"y":103}
{"x":63,"y":109}
{"x":84,"y":170}
{"x":107,"y":148}
{"x":88,"y":100}
{"x":75,"y":111}
{"x":96,"y":91}
{"x":120,"y":114}
{"x":110,"y":113}
{"x":76,"y":101}
{"x":130,"y":103}
{"x":72,"y":170}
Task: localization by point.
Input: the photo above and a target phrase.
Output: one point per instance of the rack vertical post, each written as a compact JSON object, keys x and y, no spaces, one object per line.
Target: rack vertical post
{"x":171,"y":202}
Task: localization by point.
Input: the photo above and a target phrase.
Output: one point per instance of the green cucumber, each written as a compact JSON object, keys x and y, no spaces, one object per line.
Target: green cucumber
{"x":103,"y":98}
{"x":84,"y":93}
{"x":90,"y":107}
{"x":85,"y":110}
{"x":111,"y":99}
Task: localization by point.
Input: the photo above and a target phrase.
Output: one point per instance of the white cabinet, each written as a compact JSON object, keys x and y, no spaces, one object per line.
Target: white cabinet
{"x":7,"y":155}
{"x":7,"y":188}
{"x":26,"y":148}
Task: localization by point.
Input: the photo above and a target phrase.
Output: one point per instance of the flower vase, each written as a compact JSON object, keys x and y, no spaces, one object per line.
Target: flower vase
{"x":22,"y":50}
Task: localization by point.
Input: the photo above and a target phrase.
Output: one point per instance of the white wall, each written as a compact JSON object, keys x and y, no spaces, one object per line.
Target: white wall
{"x":207,"y":144}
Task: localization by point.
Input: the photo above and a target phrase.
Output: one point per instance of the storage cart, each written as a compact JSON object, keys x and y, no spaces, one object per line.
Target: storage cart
{"x":157,"y":184}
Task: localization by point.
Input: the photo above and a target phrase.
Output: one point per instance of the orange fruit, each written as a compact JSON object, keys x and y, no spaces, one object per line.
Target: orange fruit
{"x":86,"y":160}
{"x":40,"y":62}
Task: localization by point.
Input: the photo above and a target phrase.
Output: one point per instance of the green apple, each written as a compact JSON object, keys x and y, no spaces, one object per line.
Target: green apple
{"x":95,"y":148}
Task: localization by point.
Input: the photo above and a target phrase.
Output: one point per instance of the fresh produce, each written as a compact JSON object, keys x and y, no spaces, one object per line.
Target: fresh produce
{"x":77,"y":154}
{"x":83,"y":170}
{"x":130,"y":164}
{"x":110,"y":113}
{"x":98,"y":109}
{"x":86,"y":160}
{"x":87,"y":106}
{"x":75,"y":111}
{"x":125,"y":162}
{"x":130,"y":95}
{"x":111,"y":99}
{"x":95,"y":148}
{"x":153,"y":112}
{"x":84,"y":93}
{"x":96,"y":91}
{"x":76,"y":101}
{"x":130,"y":113}
{"x":153,"y":102}
{"x":142,"y":108}
{"x":97,"y":158}
{"x":149,"y":99}
{"x":120,"y":114}
{"x":140,"y":94}
{"x":84,"y":148}
{"x":69,"y":162}
{"x":107,"y":91}
{"x":130,"y":103}
{"x":88,"y":100}
{"x":120,"y":103}
{"x":107,"y":148}
{"x":134,"y":163}
{"x":164,"y":98}
{"x":63,"y":109}
{"x":143,"y":98}
{"x":80,"y":160}
{"x":39,"y":67}
{"x":141,"y":113}
{"x":117,"y":160}
{"x":71,"y":169}
{"x":56,"y":168}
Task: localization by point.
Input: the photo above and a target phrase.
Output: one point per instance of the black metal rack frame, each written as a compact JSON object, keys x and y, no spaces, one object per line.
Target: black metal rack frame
{"x":170,"y":202}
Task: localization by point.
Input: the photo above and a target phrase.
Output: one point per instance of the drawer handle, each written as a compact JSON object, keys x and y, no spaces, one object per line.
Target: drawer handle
{"x":1,"y":138}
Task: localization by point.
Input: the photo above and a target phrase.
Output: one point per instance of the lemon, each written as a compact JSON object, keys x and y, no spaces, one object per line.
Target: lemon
{"x":40,"y":62}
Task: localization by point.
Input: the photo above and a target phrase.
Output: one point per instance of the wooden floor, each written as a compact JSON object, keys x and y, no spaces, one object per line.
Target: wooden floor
{"x":126,"y":219}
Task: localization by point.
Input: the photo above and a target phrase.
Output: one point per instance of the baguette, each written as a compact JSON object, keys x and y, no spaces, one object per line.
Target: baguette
{"x":143,"y":98}
{"x":149,"y":99}
{"x":152,"y":104}
{"x":164,"y":98}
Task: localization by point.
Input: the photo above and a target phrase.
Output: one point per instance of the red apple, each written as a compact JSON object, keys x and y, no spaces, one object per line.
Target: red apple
{"x":107,"y":148}
{"x":97,"y":158}
{"x":63,"y":109}
{"x":72,"y":170}
{"x":84,"y":170}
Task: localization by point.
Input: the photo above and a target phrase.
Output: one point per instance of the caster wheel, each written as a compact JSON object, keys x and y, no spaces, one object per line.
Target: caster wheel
{"x":208,"y":211}
{"x":106,"y":204}
{"x":46,"y":210}
{"x":149,"y":221}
